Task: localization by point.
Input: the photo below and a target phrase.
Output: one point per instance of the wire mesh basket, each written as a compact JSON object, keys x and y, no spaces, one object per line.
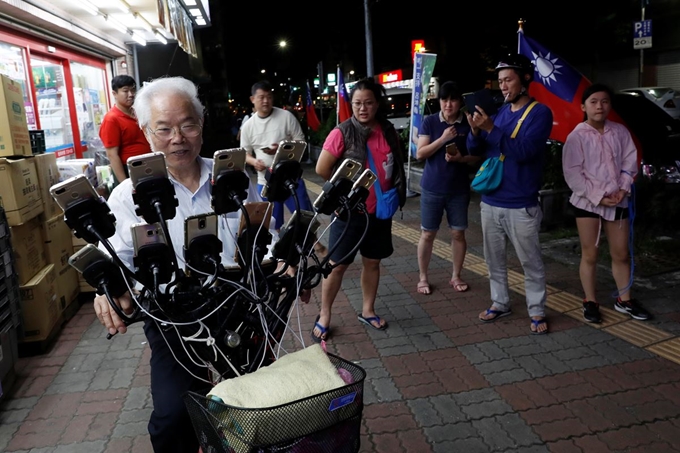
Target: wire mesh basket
{"x":325,"y":423}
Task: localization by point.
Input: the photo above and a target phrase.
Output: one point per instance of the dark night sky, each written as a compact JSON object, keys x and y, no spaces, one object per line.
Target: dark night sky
{"x":460,"y":33}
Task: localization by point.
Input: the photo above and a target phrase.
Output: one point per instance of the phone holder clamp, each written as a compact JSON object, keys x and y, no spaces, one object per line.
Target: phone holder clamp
{"x":90,"y":214}
{"x":333,"y":194}
{"x":282,"y":180}
{"x":152,"y":191}
{"x":229,"y":191}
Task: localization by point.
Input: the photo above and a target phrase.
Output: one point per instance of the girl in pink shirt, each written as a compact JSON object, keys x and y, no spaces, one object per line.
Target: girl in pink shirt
{"x":599,"y":161}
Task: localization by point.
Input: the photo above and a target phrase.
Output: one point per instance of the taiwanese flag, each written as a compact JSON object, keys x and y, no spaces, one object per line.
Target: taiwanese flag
{"x":560,"y":87}
{"x":344,"y":110}
{"x":312,"y":120}
{"x":557,"y":85}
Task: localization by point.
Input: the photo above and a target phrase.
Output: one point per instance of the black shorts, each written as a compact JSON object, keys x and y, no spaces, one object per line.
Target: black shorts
{"x":621,"y":213}
{"x":377,"y":243}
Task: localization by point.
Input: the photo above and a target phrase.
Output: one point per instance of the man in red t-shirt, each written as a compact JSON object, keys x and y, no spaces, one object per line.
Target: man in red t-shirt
{"x":119,"y":131}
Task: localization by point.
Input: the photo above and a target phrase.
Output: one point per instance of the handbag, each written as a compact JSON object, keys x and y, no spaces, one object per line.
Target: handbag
{"x":387,"y":203}
{"x":490,"y":174}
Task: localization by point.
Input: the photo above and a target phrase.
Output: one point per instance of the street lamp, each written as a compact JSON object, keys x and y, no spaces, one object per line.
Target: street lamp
{"x":283,"y":43}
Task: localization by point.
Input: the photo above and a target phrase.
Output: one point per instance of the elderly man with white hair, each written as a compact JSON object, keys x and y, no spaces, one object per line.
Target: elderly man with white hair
{"x":171,"y":116}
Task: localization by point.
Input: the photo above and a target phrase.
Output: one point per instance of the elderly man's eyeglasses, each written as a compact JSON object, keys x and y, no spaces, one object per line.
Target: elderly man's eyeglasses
{"x":188,"y":131}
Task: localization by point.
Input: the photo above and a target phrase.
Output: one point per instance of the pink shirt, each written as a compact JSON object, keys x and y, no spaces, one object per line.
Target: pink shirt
{"x":382,"y":157}
{"x":596,"y":165}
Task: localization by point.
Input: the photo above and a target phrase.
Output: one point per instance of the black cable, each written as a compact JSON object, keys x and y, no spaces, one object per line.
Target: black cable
{"x":131,"y":275}
{"x":166,"y":232}
{"x":127,"y":320}
{"x":358,"y":244}
{"x":342,"y":235}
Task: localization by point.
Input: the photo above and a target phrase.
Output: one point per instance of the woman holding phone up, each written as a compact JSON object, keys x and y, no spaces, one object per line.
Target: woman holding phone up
{"x":367,"y":137}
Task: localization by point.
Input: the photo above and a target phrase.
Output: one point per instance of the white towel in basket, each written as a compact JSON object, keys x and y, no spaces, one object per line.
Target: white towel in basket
{"x":304,"y":373}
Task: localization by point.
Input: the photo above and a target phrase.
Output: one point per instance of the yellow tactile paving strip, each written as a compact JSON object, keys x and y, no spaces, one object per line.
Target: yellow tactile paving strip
{"x":640,"y":334}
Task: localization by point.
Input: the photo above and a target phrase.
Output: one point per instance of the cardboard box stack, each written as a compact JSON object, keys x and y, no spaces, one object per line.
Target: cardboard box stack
{"x":39,"y":309}
{"x":19,"y":189}
{"x":58,"y":249}
{"x":14,"y":137}
{"x":39,"y":239}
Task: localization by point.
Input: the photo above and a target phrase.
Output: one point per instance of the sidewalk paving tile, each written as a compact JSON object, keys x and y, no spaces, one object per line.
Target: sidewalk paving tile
{"x":438,"y":380}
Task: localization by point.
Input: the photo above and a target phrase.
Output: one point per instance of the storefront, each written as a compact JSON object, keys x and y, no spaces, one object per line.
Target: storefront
{"x":64,"y":54}
{"x":65,"y":92}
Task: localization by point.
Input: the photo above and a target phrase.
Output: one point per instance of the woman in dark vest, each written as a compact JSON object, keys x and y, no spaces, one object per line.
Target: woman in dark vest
{"x":368,"y":130}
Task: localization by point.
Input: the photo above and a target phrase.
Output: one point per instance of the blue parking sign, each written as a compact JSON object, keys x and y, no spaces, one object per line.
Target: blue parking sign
{"x":642,"y":29}
{"x":642,"y":34}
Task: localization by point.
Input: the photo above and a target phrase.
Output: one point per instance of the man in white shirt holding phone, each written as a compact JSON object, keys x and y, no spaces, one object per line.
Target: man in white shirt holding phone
{"x":261,"y":136}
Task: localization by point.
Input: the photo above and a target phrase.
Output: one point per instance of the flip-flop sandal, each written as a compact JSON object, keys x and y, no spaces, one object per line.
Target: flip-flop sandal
{"x":423,"y":287}
{"x":496,"y":314}
{"x":370,"y":320}
{"x":459,"y":285}
{"x":534,"y":326}
{"x":325,"y":331}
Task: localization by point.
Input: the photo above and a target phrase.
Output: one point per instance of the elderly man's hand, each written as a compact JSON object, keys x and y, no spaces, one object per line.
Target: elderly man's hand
{"x":107,"y":315}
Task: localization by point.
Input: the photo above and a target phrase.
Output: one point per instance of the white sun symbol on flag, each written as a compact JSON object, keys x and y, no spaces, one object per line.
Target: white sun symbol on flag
{"x":546,"y":67}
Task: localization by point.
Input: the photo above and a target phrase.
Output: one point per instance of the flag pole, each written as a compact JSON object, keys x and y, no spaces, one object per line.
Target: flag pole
{"x":337,"y":94}
{"x":520,"y":23}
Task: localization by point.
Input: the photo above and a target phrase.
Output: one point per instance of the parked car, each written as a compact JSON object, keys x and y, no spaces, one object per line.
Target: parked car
{"x":657,"y":131}
{"x":399,"y":102}
{"x":665,"y":97}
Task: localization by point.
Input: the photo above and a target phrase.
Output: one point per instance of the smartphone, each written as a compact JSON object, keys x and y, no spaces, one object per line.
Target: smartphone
{"x":144,"y":234}
{"x":348,"y":169}
{"x":289,"y":150}
{"x":366,"y":180}
{"x":481,"y":98}
{"x":73,"y":190}
{"x":224,"y":160}
{"x":199,"y":225}
{"x":147,"y":166}
{"x":452,"y":149}
{"x":87,"y":256}
{"x":259,"y":213}
{"x":308,"y":226}
{"x":307,"y":221}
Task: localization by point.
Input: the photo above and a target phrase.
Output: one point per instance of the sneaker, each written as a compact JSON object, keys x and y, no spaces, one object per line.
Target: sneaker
{"x":591,"y":312}
{"x":632,"y":308}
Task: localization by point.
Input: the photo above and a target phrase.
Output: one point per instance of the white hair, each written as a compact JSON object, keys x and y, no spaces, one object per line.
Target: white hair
{"x":162,"y":87}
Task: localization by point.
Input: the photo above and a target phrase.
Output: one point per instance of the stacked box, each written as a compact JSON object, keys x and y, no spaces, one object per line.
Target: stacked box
{"x":48,"y":175}
{"x":19,"y":190}
{"x":58,"y":249}
{"x":14,"y":137}
{"x":39,"y":311}
{"x":28,"y":249}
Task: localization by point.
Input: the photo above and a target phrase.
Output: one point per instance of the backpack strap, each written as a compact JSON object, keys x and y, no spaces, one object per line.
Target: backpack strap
{"x":521,"y":120}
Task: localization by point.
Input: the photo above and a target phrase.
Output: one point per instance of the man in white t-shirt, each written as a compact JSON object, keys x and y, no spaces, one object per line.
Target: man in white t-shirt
{"x":260,"y":137}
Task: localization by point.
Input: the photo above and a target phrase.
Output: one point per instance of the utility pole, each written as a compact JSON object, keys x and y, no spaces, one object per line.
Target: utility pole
{"x":369,"y":40}
{"x":643,"y":3}
{"x":319,"y":68}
